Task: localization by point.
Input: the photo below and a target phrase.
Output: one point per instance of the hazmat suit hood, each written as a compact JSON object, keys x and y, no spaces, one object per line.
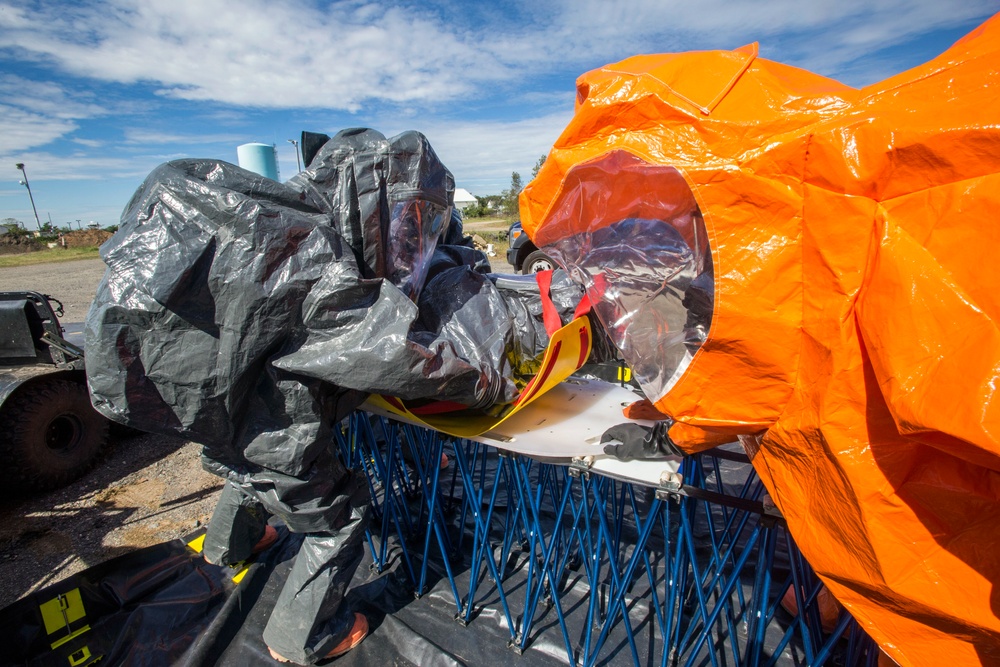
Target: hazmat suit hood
{"x":390,"y":199}
{"x":838,"y":314}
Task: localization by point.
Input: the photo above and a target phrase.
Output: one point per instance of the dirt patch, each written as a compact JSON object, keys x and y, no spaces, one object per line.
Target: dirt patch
{"x":12,"y":244}
{"x":149,"y":489}
{"x":84,"y":238}
{"x":74,"y":283}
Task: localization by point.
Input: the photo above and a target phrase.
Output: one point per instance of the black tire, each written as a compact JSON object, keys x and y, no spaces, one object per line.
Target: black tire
{"x":537,"y":261}
{"x":52,"y":436}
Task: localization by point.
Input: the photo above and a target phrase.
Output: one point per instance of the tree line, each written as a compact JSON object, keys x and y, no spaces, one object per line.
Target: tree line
{"x":16,"y":227}
{"x":504,"y":203}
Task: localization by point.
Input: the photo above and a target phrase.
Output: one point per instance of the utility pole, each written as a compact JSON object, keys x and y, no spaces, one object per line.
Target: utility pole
{"x":298,"y":161}
{"x":24,"y":182}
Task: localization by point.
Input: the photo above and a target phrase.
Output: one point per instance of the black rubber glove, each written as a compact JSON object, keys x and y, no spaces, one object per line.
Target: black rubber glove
{"x":631,"y":441}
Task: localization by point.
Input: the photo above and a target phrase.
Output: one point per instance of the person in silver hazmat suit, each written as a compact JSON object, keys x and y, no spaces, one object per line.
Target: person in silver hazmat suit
{"x":215,"y":278}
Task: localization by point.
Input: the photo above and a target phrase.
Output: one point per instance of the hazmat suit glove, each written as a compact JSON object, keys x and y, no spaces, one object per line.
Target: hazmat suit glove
{"x":631,"y":441}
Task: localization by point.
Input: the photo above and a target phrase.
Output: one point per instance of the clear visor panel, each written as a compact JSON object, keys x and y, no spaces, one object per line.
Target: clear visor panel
{"x":649,"y":278}
{"x":414,"y":230}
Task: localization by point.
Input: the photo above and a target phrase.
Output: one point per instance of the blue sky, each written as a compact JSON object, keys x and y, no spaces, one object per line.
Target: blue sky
{"x":93,"y":95}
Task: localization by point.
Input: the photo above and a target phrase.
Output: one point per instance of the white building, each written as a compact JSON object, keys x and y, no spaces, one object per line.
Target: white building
{"x":463,"y":199}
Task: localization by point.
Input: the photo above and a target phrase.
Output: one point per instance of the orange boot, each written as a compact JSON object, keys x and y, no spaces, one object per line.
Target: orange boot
{"x":358,"y":632}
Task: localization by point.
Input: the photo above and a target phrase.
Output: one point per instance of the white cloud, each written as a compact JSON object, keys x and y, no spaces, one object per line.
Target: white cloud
{"x":48,"y":167}
{"x":482,"y":155}
{"x":823,"y":36}
{"x":22,"y":130}
{"x":45,"y":98}
{"x":35,"y":113}
{"x":259,"y":53}
{"x":145,"y":137}
{"x":89,"y":143}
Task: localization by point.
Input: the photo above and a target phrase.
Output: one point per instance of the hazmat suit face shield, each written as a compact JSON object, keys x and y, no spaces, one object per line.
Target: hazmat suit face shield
{"x":648,"y":273}
{"x":415,"y":227}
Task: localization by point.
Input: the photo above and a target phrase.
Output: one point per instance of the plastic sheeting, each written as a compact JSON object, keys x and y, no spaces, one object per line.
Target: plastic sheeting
{"x":853,"y":342}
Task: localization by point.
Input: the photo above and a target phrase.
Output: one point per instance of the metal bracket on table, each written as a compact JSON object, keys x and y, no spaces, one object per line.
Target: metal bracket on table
{"x":671,"y":485}
{"x":772,"y":514}
{"x":580,"y":466}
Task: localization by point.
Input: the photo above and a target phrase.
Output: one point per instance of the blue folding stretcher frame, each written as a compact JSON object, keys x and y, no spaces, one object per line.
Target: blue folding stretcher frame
{"x":699,"y":551}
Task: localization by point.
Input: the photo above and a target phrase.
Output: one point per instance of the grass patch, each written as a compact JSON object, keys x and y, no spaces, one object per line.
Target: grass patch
{"x":500,"y":249}
{"x":49,"y":255}
{"x":484,"y":226}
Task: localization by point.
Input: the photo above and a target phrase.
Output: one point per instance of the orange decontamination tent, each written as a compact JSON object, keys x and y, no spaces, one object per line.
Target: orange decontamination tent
{"x":813,"y":268}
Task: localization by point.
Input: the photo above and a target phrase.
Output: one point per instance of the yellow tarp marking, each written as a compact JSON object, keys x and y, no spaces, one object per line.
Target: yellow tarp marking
{"x":62,"y":610}
{"x":80,"y":657}
{"x":59,"y":614}
{"x":198,"y":543}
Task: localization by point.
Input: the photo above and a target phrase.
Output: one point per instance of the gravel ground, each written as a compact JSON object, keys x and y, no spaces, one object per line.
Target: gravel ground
{"x":148,"y":489}
{"x":73,"y":283}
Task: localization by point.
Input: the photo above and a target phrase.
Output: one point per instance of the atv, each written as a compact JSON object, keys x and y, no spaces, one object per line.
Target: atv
{"x":51,"y":435}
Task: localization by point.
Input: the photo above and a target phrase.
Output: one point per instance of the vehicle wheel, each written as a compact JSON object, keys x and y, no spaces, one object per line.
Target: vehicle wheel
{"x":537,"y":261}
{"x":52,"y":436}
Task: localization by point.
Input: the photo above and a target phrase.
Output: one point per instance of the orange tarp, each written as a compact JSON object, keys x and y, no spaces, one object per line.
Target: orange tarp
{"x":853,"y":343}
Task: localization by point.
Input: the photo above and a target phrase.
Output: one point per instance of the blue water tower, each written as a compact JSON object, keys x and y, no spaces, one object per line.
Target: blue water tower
{"x":259,"y":158}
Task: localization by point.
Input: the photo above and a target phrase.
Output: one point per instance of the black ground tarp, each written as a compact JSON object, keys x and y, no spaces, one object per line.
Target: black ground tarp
{"x":165,"y":606}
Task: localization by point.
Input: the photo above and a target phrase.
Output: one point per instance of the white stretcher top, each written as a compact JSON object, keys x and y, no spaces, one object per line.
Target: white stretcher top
{"x":567,"y":422}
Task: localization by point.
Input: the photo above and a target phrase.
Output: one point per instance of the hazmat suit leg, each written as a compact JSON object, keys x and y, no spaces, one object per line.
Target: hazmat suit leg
{"x":310,"y":617}
{"x":237,"y":525}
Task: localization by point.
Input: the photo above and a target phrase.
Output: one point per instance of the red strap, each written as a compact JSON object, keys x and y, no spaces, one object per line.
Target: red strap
{"x":586,"y":304}
{"x":583,"y":307}
{"x":438,"y":407}
{"x":550,"y":316}
{"x":432,"y":408}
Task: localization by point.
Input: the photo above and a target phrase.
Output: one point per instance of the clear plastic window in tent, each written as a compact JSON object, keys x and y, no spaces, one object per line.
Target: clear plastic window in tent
{"x":631,"y":233}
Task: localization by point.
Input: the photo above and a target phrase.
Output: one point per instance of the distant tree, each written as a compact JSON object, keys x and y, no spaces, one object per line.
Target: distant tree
{"x":538,"y":166}
{"x":509,"y":196}
{"x":12,"y":226}
{"x":477,"y":210}
{"x":515,"y":183}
